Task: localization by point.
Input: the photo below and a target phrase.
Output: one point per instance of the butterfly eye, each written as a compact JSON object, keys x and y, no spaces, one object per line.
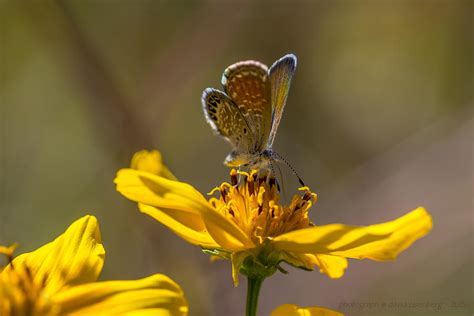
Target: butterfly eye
{"x":245,"y":130}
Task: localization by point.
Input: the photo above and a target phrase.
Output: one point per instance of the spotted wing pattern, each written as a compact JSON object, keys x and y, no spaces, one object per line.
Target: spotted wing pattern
{"x":248,"y":85}
{"x":226,"y":119}
{"x":281,"y":73}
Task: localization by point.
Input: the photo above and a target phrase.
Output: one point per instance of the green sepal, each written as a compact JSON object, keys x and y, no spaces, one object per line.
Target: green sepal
{"x":216,"y":252}
{"x":295,"y":266}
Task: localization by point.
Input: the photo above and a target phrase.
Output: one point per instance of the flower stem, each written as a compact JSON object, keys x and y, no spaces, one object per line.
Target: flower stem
{"x":253,"y":290}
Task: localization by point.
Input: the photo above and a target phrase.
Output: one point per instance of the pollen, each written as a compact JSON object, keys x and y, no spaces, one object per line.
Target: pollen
{"x":253,"y":203}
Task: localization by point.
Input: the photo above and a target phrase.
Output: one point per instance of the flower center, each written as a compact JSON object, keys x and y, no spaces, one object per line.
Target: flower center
{"x":22,"y":294}
{"x":253,"y":205}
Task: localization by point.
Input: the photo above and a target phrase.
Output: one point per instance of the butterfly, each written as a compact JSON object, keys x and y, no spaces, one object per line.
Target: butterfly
{"x":247,"y":113}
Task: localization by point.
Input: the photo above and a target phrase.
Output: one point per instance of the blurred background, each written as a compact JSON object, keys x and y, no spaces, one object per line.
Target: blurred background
{"x":378,"y":121}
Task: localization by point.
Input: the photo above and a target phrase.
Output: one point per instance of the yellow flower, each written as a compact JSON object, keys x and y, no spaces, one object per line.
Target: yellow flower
{"x":293,"y":310}
{"x":60,"y":278}
{"x":246,"y":223}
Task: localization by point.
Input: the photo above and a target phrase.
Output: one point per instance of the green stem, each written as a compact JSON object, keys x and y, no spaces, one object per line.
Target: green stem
{"x":253,"y":290}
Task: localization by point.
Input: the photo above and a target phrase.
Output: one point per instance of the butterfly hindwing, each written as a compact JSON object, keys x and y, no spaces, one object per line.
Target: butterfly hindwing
{"x":248,"y":85}
{"x":226,"y":119}
{"x":280,"y":74}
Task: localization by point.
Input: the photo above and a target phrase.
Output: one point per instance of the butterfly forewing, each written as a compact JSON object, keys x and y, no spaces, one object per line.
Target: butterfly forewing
{"x":248,"y":85}
{"x":281,"y":73}
{"x":226,"y":119}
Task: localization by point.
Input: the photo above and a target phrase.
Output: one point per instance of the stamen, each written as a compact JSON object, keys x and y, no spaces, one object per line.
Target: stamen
{"x":223,"y":193}
{"x":250,"y":185}
{"x":233,"y":179}
{"x":253,"y":204}
{"x":307,"y":196}
{"x":243,"y":173}
{"x":28,"y":272}
{"x":8,"y":252}
{"x":215,"y":189}
{"x":272,"y":181}
{"x":44,"y":279}
{"x":10,"y":262}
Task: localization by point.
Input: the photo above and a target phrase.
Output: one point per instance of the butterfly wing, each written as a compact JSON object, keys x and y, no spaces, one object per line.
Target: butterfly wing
{"x":280,"y":74}
{"x":248,"y":85}
{"x":226,"y":119}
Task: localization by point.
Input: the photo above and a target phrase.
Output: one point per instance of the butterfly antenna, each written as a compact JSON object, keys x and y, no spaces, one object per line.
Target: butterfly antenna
{"x":279,"y":157}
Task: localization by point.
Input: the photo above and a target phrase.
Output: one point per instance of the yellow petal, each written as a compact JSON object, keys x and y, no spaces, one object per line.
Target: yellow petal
{"x":299,"y":260}
{"x":332,"y":266}
{"x":379,"y":242}
{"x":294,"y":310}
{"x":151,"y":161}
{"x":156,"y":295}
{"x":146,"y":188}
{"x":189,"y":227}
{"x":75,"y":257}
